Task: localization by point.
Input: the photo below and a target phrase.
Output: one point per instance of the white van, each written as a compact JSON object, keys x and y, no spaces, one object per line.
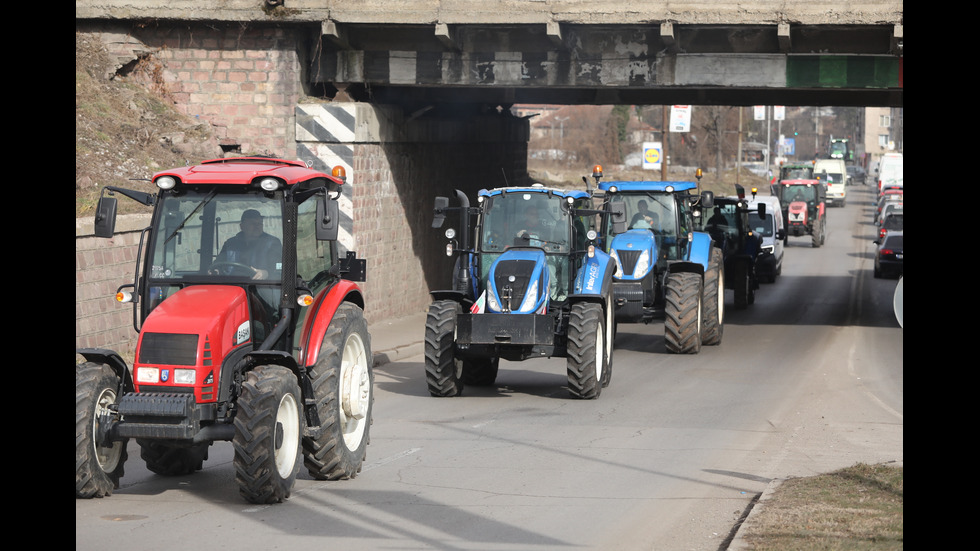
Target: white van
{"x":773,"y":234}
{"x":890,"y":169}
{"x":836,"y":179}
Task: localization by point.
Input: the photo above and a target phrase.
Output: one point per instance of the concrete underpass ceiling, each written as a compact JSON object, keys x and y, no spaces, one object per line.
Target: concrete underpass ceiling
{"x":568,"y":64}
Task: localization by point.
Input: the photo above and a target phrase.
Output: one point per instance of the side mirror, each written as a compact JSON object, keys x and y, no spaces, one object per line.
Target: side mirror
{"x":707,"y":199}
{"x":442,"y":203}
{"x":327,"y":219}
{"x":105,"y":217}
{"x":617,"y":211}
{"x":762,"y":210}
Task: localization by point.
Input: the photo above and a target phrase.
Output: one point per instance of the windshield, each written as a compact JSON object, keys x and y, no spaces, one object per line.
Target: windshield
{"x":789,"y":194}
{"x":210,"y":235}
{"x":796,"y":173}
{"x":762,"y":225}
{"x":525,"y":219}
{"x":647,"y":211}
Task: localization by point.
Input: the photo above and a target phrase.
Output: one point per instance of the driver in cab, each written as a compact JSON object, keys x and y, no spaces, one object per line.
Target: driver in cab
{"x":532,"y":230}
{"x":252,"y":248}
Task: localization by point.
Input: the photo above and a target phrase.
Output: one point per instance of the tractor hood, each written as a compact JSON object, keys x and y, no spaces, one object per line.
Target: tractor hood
{"x":519,"y":282}
{"x":635,"y":252}
{"x":194,"y":329}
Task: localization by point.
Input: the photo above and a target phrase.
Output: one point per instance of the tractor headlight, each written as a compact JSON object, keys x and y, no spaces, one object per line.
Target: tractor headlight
{"x":493,"y":305}
{"x":615,"y":257}
{"x":148,"y":375}
{"x":166,"y":182}
{"x":530,"y":298}
{"x":642,"y":265}
{"x":269,"y":184}
{"x":185,"y":376}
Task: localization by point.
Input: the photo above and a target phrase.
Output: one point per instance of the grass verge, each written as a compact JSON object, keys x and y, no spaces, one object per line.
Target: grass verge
{"x":857,"y":508}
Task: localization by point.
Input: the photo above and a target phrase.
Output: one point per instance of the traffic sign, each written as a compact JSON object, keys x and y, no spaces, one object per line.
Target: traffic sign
{"x":652,"y":154}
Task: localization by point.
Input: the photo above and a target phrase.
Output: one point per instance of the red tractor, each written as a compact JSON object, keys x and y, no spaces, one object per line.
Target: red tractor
{"x":804,"y":208}
{"x":250,"y":330}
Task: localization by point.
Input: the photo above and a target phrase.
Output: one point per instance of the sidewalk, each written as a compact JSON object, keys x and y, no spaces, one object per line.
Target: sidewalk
{"x":397,"y":339}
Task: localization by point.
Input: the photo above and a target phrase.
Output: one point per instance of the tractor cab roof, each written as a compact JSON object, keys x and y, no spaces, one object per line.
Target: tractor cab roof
{"x":660,"y":186}
{"x":246,"y":170}
{"x":799,"y":182}
{"x":537,"y":188}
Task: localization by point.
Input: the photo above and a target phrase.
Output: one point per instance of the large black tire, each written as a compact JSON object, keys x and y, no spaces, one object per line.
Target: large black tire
{"x":343,"y":387}
{"x":167,"y":459}
{"x":268,"y":434}
{"x":480,"y":371}
{"x":443,"y":371}
{"x":98,"y":467}
{"x":682,"y":309}
{"x":743,"y":285}
{"x":713,"y":301}
{"x":586,"y":350}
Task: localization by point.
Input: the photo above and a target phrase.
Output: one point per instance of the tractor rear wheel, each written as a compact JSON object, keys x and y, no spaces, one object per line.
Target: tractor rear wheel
{"x":268,"y":433}
{"x":682,"y":308}
{"x":98,"y":464}
{"x":586,"y":350}
{"x":343,"y":387}
{"x":713,"y":301}
{"x":443,"y":371}
{"x":167,"y":459}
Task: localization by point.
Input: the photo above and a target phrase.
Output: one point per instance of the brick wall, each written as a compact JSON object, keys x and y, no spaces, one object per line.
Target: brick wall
{"x":243,"y":80}
{"x":101,"y":266}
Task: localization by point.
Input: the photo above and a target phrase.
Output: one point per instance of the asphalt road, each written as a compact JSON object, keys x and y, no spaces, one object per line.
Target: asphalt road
{"x":808,"y":379}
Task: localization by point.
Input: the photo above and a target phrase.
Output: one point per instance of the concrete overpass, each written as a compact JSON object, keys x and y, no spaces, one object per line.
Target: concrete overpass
{"x":500,"y":52}
{"x":410,"y":95}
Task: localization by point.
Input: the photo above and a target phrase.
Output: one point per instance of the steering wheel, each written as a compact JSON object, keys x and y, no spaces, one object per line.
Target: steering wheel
{"x":231,"y":268}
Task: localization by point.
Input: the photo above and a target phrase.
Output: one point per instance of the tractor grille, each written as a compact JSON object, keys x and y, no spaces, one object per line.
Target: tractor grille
{"x":168,"y":348}
{"x":520,"y":271}
{"x":628,"y":260}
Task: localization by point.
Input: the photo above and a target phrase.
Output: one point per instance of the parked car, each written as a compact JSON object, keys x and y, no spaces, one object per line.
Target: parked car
{"x":858,"y":174}
{"x":889,"y":257}
{"x":892,"y":222}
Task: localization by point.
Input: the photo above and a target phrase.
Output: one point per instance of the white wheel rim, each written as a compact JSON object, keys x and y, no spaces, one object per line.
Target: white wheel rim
{"x":287,"y":443}
{"x":107,"y":456}
{"x":355,"y":392}
{"x":600,"y":353}
{"x":721,"y":295}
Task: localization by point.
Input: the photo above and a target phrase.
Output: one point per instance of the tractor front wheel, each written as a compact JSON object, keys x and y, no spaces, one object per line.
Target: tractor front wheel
{"x":586,"y":350}
{"x":98,"y":463}
{"x":443,"y":371}
{"x":343,"y":387}
{"x":743,"y":285}
{"x":268,"y":434}
{"x":480,"y":371}
{"x":682,"y":310}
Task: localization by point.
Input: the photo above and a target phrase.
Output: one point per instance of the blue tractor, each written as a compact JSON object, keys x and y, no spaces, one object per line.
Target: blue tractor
{"x":665,"y":269}
{"x":529,"y":281}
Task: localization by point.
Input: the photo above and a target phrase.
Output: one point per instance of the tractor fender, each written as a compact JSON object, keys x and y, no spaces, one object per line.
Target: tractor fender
{"x":318,"y":321}
{"x":115,"y":362}
{"x":700,"y":251}
{"x":594,"y":278}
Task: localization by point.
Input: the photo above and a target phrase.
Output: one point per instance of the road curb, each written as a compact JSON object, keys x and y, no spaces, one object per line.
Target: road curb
{"x":738,"y":541}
